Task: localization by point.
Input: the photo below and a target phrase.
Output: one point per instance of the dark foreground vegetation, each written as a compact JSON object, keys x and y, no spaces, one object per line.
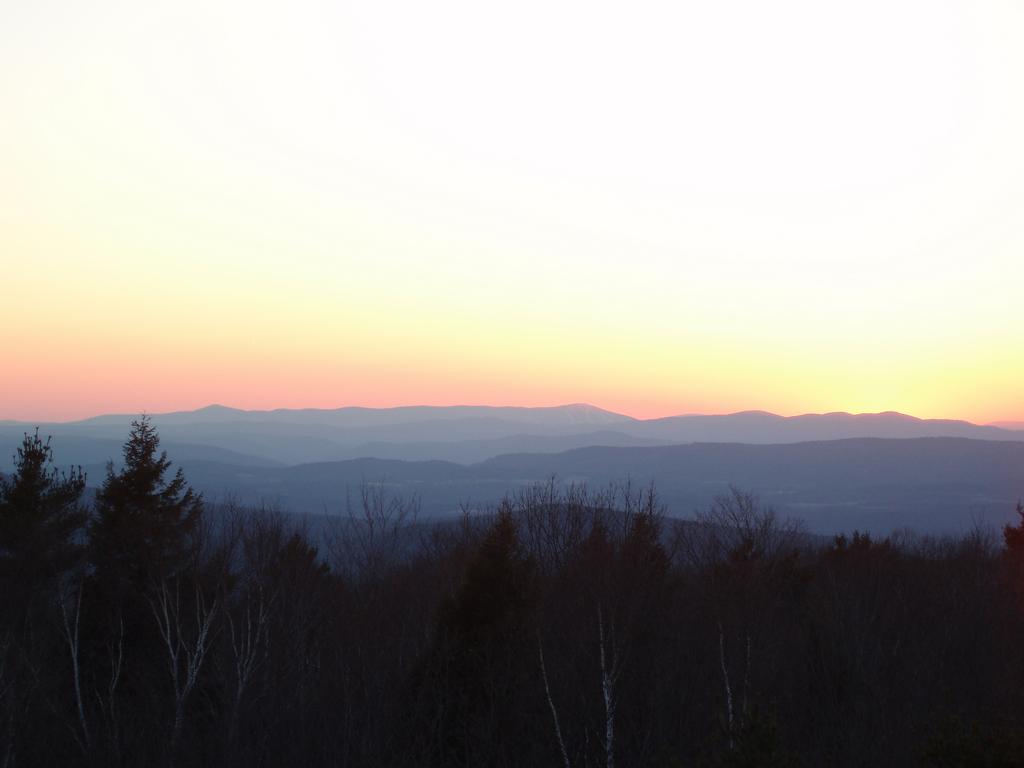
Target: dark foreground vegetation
{"x":565,"y":628}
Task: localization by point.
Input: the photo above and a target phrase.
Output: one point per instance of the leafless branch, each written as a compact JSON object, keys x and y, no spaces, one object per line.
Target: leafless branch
{"x":551,"y":705}
{"x":72,"y":637}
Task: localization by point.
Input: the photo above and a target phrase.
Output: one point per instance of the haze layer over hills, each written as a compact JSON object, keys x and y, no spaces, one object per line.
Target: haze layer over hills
{"x":837,"y":471}
{"x":463,"y":434}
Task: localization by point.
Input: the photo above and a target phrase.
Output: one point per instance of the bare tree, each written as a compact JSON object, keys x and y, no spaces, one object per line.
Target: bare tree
{"x":72,"y":636}
{"x":108,"y":701}
{"x":6,"y":694}
{"x":370,"y":536}
{"x":186,"y":646}
{"x":611,"y":666}
{"x":555,"y":520}
{"x":551,"y":705}
{"x":248,"y":637}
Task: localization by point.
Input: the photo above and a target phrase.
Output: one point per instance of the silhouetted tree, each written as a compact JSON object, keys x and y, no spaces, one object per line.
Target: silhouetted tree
{"x":564,"y":628}
{"x":472,"y":687}
{"x":137,"y":640}
{"x":1013,"y":554}
{"x":1013,"y":535}
{"x":40,"y":515}
{"x":495,"y":593}
{"x":40,"y":519}
{"x":143,"y":520}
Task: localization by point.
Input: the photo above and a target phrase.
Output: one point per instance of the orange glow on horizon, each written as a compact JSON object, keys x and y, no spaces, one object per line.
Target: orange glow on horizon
{"x":185,"y":220}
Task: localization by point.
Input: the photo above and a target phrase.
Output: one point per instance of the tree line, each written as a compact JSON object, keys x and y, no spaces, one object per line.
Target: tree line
{"x":565,"y":627}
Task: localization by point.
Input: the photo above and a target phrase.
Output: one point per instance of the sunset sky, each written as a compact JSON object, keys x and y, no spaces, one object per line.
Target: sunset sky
{"x":657,"y":208}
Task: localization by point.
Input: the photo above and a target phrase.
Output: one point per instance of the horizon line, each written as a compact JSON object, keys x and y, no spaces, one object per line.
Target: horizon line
{"x":998,"y":423}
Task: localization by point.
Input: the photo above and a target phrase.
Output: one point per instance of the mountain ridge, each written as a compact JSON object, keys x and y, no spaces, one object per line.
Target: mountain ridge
{"x":468,"y":434}
{"x":590,"y":413}
{"x":934,"y":485}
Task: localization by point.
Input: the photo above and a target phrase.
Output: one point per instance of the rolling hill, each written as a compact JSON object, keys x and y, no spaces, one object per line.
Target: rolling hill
{"x":464,"y":434}
{"x":932,"y":485}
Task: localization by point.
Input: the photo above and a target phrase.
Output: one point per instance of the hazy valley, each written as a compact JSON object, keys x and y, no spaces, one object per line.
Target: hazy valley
{"x":837,"y":472}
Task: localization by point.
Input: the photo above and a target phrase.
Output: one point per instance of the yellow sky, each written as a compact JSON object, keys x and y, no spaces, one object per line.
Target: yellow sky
{"x":655,"y":207}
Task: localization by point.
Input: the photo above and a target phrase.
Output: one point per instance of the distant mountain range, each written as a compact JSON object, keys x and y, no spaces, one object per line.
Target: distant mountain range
{"x":838,"y":471}
{"x":931,"y":485}
{"x":462,"y":434}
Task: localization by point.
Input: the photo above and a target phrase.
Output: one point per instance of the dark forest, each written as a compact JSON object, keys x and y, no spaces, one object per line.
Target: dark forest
{"x":147,"y":626}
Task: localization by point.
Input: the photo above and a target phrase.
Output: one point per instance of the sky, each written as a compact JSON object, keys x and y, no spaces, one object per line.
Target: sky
{"x":657,"y":208}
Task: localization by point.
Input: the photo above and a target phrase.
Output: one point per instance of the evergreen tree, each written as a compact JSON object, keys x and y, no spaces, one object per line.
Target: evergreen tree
{"x":1014,"y":535}
{"x":496,"y":595}
{"x":1013,"y":554}
{"x":40,"y":514}
{"x":143,"y":521}
{"x":472,"y":684}
{"x":40,"y":521}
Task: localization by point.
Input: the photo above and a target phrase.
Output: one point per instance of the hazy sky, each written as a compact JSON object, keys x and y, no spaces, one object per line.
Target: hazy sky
{"x":654,"y":207}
